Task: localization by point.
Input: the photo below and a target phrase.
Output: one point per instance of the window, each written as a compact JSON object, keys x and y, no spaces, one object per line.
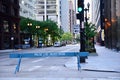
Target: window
{"x":0,"y":25}
{"x":51,"y":12}
{"x":51,"y":7}
{"x":16,"y":12}
{"x":15,"y":1}
{"x":15,"y":28}
{"x":12,"y":1}
{"x":12,"y":11}
{"x":4,"y":8}
{"x":25,"y":11}
{"x":6,"y":26}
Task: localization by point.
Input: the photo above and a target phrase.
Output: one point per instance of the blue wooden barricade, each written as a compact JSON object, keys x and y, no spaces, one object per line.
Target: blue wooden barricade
{"x":47,"y":54}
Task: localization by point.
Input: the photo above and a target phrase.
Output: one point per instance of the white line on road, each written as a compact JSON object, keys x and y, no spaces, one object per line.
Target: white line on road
{"x":37,"y":60}
{"x":68,"y":49}
{"x":34,"y":68}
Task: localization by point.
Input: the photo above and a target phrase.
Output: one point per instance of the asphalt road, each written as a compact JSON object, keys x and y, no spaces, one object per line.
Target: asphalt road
{"x":49,"y":68}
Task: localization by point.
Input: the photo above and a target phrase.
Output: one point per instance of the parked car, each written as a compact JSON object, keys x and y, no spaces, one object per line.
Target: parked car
{"x":63,"y":43}
{"x":57,"y":44}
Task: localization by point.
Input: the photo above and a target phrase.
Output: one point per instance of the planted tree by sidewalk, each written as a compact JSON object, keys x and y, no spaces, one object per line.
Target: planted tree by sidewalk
{"x":51,"y":30}
{"x":46,"y":29}
{"x":67,"y":37}
{"x":27,"y":26}
{"x":90,"y":32}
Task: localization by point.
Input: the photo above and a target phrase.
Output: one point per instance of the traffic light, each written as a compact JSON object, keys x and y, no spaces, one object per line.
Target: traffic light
{"x":80,"y":5}
{"x":81,"y":9}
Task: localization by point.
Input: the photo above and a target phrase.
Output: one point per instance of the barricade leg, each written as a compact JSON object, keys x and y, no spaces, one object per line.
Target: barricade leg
{"x":78,"y":62}
{"x":18,"y":65}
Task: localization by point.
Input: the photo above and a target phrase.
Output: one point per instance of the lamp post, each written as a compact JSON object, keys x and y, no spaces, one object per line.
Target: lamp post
{"x":86,"y":18}
{"x":38,"y":27}
{"x":86,"y":9}
{"x":30,"y":25}
{"x":45,"y":30}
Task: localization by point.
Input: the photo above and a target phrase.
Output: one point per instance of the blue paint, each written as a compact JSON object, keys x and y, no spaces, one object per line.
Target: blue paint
{"x":18,"y":65}
{"x":47,"y":54}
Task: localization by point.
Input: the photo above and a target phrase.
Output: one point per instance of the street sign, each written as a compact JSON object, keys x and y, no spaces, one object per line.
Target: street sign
{"x":47,"y":54}
{"x":76,"y":29}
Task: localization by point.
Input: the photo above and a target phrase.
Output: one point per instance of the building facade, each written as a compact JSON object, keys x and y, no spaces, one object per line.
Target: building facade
{"x":56,"y":10}
{"x":112,"y":24}
{"x":9,"y":24}
{"x":27,"y":9}
{"x":97,"y":19}
{"x":71,"y":17}
{"x":107,"y":16}
{"x":47,"y":9}
{"x":65,"y":15}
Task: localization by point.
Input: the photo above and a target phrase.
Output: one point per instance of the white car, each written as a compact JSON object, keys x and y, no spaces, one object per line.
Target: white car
{"x":57,"y":44}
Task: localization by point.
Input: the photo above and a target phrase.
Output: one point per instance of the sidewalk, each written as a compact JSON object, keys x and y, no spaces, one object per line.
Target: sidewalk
{"x":8,"y":50}
{"x":106,"y":61}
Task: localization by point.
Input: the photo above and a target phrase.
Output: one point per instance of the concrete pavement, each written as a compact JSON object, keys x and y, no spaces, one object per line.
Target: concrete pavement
{"x":58,"y":79}
{"x":106,"y":61}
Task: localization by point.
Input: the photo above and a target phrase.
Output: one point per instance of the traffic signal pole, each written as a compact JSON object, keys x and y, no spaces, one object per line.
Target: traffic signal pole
{"x":82,"y":37}
{"x":80,"y":16}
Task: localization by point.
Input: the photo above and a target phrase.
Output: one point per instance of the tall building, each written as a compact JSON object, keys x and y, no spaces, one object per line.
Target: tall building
{"x":9,"y":24}
{"x":64,"y":13}
{"x":106,"y":14}
{"x":98,"y":18}
{"x":27,"y":9}
{"x":56,"y":10}
{"x":48,"y":9}
{"x":112,"y":24}
{"x":72,"y":17}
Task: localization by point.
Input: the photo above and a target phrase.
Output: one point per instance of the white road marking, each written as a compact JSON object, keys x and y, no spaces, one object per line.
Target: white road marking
{"x":34,"y":68}
{"x":67,"y":50}
{"x":37,"y":60}
{"x":54,"y":68}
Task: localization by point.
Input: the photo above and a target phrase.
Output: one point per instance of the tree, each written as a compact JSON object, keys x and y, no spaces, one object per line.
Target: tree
{"x":50,"y":28}
{"x":28,"y":26}
{"x":67,"y":37}
{"x":78,"y":38}
{"x":47,"y":28}
{"x":90,"y":32}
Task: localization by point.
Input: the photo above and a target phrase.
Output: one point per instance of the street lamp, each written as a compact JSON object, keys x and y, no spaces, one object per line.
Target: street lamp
{"x":38,"y":27}
{"x":86,"y":9}
{"x":45,"y":30}
{"x":30,"y":25}
{"x":86,"y":18}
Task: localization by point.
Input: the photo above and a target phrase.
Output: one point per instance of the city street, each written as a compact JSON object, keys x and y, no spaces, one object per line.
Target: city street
{"x":59,"y":39}
{"x":103,"y":66}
